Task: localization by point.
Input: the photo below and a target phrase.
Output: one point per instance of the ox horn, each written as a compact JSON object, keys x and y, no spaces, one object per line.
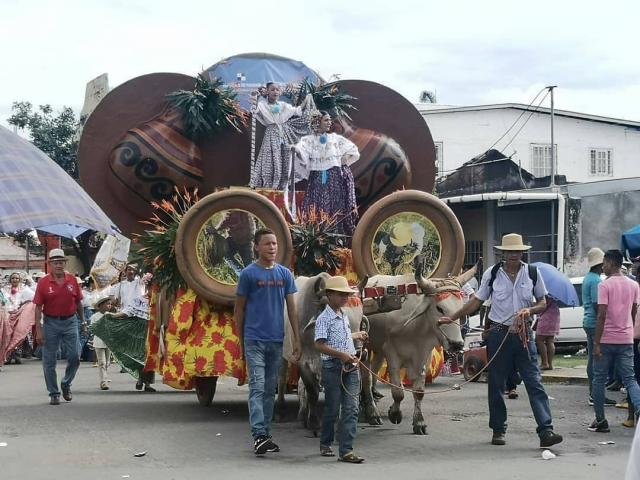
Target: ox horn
{"x":469,"y":274}
{"x":362,"y":284}
{"x":426,"y":285}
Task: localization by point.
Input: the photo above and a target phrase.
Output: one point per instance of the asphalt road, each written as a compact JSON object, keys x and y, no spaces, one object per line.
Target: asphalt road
{"x":97,"y":434}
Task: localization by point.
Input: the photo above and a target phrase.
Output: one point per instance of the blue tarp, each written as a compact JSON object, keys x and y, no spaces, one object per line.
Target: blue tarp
{"x":631,"y":242}
{"x":247,"y":72}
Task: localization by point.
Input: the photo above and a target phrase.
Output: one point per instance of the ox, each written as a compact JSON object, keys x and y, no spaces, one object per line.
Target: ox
{"x":310,"y":301}
{"x":407,"y":337}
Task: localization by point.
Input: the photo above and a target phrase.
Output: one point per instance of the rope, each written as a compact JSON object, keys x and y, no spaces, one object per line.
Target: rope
{"x":520,"y":327}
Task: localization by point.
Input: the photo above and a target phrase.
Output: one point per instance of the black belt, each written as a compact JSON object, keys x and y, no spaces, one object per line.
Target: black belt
{"x":60,"y":318}
{"x":501,"y":326}
{"x":497,"y":326}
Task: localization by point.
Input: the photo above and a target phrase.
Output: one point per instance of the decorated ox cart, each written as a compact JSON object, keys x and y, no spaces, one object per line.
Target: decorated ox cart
{"x":162,"y":152}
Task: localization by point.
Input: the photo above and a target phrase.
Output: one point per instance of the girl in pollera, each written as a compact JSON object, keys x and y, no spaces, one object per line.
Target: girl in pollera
{"x":284,"y":125}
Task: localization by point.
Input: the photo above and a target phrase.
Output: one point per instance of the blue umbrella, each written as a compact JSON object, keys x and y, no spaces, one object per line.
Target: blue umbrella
{"x":631,"y":241}
{"x":558,"y":284}
{"x":35,"y":192}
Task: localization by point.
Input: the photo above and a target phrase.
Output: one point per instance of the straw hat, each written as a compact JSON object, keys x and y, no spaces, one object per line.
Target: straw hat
{"x":595,"y":256}
{"x":401,"y":234}
{"x":338,"y":284}
{"x":513,"y":242}
{"x":100,"y":301}
{"x":56,"y":254}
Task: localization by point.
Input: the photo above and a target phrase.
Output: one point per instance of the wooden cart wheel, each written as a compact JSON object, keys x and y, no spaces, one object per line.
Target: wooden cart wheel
{"x":192,"y":230}
{"x":206,"y":390}
{"x":434,"y":210}
{"x":471,"y":367}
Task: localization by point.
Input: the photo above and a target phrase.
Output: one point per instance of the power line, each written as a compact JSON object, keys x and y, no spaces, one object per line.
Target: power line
{"x":527,"y":120}
{"x":518,"y":119}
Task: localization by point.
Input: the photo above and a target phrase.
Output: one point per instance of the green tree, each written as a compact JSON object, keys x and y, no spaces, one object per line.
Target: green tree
{"x":53,"y":133}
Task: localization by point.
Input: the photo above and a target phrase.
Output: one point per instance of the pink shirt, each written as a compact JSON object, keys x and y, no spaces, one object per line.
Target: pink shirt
{"x":619,"y":293}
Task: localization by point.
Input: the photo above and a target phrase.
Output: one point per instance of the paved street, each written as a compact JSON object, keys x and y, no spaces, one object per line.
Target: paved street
{"x":97,"y":435}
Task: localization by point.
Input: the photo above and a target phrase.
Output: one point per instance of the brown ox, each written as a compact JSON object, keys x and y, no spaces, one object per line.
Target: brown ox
{"x":407,"y":337}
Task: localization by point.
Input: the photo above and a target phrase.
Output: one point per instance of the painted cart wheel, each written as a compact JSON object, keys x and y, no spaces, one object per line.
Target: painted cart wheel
{"x":215,"y":241}
{"x":400,"y":227}
{"x":206,"y":390}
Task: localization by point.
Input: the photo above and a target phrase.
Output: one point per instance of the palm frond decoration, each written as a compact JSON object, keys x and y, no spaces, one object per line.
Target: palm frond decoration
{"x":328,"y":97}
{"x":208,"y":108}
{"x":154,"y":250}
{"x":315,"y":243}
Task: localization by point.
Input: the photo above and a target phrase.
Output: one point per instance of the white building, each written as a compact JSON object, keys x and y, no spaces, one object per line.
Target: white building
{"x":588,"y":147}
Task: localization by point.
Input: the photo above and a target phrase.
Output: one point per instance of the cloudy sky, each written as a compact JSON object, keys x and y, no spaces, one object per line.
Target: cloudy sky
{"x":469,"y":52}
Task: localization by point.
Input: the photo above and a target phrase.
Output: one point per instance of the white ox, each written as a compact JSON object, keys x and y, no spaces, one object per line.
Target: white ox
{"x":310,"y":301}
{"x":406,"y":337}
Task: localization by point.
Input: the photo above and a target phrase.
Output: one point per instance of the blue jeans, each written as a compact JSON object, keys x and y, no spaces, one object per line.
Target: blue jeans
{"x":263,"y":365}
{"x":622,"y":357}
{"x":57,"y":333}
{"x":591,"y":332}
{"x":341,"y":391}
{"x":513,"y":354}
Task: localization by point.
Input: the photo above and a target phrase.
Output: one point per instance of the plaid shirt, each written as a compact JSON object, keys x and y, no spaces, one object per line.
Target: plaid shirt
{"x":335,"y":329}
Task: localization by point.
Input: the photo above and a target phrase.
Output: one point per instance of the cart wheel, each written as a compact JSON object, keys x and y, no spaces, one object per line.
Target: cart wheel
{"x":471,"y":368}
{"x":206,"y":389}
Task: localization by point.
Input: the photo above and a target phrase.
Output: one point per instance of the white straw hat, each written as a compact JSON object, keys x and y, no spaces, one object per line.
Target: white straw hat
{"x":513,"y":242}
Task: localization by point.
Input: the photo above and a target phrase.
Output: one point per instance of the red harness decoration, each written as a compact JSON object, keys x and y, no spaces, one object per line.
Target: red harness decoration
{"x":402,"y":289}
{"x":444,"y":295}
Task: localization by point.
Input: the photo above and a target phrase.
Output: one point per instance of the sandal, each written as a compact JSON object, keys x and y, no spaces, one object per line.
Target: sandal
{"x":351,"y":458}
{"x":326,"y":451}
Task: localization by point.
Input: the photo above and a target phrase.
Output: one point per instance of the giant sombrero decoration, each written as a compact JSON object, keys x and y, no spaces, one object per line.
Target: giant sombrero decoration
{"x":396,"y":148}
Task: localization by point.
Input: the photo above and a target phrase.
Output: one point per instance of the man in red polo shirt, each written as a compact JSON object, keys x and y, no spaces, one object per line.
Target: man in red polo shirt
{"x":58,"y":301}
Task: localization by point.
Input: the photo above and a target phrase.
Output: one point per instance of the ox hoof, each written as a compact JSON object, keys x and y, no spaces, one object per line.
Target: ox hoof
{"x":420,"y":429}
{"x":375,"y":421}
{"x":395,"y":416}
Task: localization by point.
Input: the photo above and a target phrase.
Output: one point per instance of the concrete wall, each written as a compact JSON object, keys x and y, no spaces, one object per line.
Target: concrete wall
{"x":598,"y":221}
{"x":466,"y":134}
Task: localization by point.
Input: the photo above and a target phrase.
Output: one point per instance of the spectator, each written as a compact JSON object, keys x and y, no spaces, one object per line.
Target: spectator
{"x":618,"y":299}
{"x":59,"y":298}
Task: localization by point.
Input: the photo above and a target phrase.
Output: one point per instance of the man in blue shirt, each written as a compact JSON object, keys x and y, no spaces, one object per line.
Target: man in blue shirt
{"x":515,"y":298}
{"x":263,"y":288}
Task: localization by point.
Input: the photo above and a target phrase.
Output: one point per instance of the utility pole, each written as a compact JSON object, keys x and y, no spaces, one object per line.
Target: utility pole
{"x":553,"y":150}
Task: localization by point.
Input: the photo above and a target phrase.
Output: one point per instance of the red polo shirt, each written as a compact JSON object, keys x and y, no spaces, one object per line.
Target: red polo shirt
{"x":58,"y":300}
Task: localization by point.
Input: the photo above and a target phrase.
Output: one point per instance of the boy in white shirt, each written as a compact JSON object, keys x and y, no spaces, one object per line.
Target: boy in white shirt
{"x":103,"y":305}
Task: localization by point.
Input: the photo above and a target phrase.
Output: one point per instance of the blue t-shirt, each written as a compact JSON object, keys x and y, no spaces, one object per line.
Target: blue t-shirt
{"x":265,"y":290}
{"x":590,"y":299}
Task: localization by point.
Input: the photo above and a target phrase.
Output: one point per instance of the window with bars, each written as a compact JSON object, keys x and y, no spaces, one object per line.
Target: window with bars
{"x":439,"y":159}
{"x":472,"y":251}
{"x":601,"y":162}
{"x":541,"y":159}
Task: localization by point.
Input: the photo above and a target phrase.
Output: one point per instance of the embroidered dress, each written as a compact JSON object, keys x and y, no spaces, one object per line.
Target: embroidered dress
{"x":126,"y":336}
{"x":284,"y":124}
{"x":324,"y":160}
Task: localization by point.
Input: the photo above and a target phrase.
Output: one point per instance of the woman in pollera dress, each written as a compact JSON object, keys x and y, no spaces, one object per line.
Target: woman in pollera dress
{"x":324,"y":160}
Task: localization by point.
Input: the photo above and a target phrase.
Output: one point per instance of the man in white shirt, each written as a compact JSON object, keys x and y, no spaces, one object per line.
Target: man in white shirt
{"x":128,"y":289}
